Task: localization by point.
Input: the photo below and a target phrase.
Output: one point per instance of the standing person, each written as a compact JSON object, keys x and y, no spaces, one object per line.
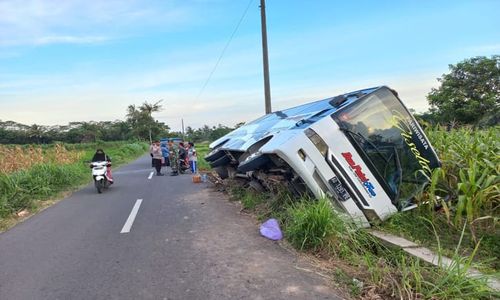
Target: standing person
{"x":157,"y":156}
{"x":183,"y":157}
{"x":193,"y":159}
{"x":174,"y":158}
{"x":165,"y":154}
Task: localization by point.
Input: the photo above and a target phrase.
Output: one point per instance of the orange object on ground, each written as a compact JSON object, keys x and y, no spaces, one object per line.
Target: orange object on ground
{"x":196,"y":178}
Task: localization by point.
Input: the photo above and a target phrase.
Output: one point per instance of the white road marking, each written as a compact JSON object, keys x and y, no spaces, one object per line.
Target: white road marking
{"x":131,"y":217}
{"x":151,"y":175}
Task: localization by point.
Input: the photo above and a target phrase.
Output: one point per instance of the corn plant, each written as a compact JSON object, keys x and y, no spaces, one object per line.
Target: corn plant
{"x":469,"y":177}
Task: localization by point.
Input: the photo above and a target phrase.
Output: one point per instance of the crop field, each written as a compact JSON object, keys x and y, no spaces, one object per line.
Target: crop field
{"x":16,"y":158}
{"x":469,"y":178}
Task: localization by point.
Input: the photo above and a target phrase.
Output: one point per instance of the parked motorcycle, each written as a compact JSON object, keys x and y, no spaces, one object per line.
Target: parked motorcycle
{"x":183,"y":166}
{"x":100,"y":175}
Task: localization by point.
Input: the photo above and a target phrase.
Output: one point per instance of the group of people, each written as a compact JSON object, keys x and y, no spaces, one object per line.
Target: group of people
{"x":178,"y":157}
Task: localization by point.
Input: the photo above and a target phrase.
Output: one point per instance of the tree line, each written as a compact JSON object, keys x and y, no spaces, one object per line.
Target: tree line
{"x":139,"y":125}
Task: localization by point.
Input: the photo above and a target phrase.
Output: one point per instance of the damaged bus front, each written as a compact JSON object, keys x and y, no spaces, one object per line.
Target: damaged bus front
{"x":363,"y":150}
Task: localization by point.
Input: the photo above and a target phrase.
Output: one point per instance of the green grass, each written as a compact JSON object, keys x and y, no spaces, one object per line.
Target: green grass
{"x":202,"y":150}
{"x":21,"y":190}
{"x":309,"y":223}
{"x":24,"y":189}
{"x":251,"y":200}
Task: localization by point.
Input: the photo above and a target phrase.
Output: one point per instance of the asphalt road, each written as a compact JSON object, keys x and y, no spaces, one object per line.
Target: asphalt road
{"x":186,"y":242}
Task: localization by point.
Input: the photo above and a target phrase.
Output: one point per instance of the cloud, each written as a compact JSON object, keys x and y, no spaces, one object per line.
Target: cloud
{"x":67,"y":39}
{"x":41,"y":22}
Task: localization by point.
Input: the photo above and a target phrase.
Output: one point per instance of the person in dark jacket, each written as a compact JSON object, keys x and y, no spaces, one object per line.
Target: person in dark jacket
{"x":183,"y":157}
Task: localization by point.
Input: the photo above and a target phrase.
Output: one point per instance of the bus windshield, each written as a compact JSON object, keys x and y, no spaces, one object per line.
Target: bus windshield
{"x":391,"y":144}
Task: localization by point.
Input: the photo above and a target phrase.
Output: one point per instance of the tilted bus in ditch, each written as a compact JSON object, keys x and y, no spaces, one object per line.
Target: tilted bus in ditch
{"x":364,"y":150}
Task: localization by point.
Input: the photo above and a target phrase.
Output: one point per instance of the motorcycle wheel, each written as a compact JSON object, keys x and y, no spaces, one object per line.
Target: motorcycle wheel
{"x":99,"y":186}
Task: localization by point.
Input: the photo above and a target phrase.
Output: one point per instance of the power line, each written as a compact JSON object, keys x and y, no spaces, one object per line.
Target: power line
{"x":224,"y":50}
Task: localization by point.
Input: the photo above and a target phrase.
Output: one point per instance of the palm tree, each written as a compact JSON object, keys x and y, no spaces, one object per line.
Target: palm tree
{"x":141,"y":119}
{"x":149,"y":109}
{"x":35,"y":132}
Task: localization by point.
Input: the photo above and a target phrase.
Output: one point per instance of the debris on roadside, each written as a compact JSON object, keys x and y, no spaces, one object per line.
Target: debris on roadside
{"x":23,"y":213}
{"x":271,"y":230}
{"x":196,"y":178}
{"x":215,"y":179}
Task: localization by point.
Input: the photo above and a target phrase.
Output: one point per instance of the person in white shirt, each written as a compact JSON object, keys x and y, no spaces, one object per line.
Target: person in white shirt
{"x":193,"y":159}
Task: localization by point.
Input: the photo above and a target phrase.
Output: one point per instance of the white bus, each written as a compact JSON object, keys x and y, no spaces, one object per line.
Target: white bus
{"x":364,"y":150}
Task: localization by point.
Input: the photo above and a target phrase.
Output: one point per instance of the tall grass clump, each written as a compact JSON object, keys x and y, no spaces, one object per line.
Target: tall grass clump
{"x":22,"y":189}
{"x":309,"y":223}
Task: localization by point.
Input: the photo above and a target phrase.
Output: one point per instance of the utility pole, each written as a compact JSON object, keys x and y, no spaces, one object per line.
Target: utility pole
{"x":182,"y":120}
{"x":267,"y":88}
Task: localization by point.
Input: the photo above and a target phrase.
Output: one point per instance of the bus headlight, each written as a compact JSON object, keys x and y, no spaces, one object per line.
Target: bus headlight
{"x":317,"y":141}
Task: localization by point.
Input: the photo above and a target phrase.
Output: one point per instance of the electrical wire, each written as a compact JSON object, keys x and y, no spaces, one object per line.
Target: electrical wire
{"x":224,"y":50}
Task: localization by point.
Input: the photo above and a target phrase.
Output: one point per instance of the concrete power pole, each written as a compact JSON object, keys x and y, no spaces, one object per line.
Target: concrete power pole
{"x":267,"y":88}
{"x":182,"y":120}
